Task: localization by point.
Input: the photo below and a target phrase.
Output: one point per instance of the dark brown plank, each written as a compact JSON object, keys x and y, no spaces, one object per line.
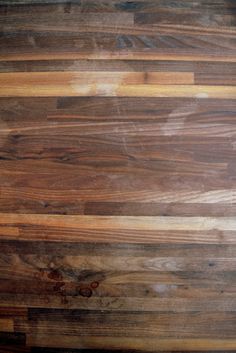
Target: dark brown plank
{"x":79,"y":323}
{"x":210,"y":69}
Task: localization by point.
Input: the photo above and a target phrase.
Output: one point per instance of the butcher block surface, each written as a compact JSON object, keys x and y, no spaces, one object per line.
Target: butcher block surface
{"x":117,"y":176}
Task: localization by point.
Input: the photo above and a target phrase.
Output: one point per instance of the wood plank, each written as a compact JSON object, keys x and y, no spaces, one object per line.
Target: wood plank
{"x":162,"y":55}
{"x":168,"y":287}
{"x":138,"y":223}
{"x":71,"y":350}
{"x":49,"y":21}
{"x":128,"y":343}
{"x":114,"y":5}
{"x":84,"y":78}
{"x":139,"y":237}
{"x":216,"y":79}
{"x":81,"y":323}
{"x":30,"y":264}
{"x":122,"y":229}
{"x":117,"y":65}
{"x":125,"y":304}
{"x":158,"y":209}
{"x":73,"y":84}
{"x":187,"y":18}
{"x":108,"y":249}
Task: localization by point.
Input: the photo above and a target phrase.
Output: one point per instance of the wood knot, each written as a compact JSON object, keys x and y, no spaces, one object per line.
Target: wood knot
{"x":94,"y":285}
{"x":85,"y":292}
{"x":55,"y":275}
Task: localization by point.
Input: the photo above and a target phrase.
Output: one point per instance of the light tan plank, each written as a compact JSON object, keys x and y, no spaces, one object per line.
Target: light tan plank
{"x":52,"y":84}
{"x":122,"y":229}
{"x":186,"y":55}
{"x":122,"y":222}
{"x":148,"y":344}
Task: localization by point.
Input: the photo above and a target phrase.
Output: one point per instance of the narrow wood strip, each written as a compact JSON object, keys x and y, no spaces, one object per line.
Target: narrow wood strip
{"x":122,"y":25}
{"x":95,"y":77}
{"x":202,"y":110}
{"x":124,"y":236}
{"x":189,"y":18}
{"x":108,"y":264}
{"x":116,"y":223}
{"x":122,"y":304}
{"x":125,"y":134}
{"x":227,"y":92}
{"x":120,"y":5}
{"x":147,"y":6}
{"x":159,"y":209}
{"x":224,"y":196}
{"x":116,"y":66}
{"x":97,"y":106}
{"x":30,"y":2}
{"x":122,"y":263}
{"x":215,"y":78}
{"x":123,"y":229}
{"x":210,"y":69}
{"x":148,"y":344}
{"x":91,"y":350}
{"x":114,"y":249}
{"x":209,"y":291}
{"x":129,"y":324}
{"x":162,"y":55}
{"x":66,"y":21}
{"x":216,"y":285}
{"x":119,"y":263}
{"x":74,"y":88}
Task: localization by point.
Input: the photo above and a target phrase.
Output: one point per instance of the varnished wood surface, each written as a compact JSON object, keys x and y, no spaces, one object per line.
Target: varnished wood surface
{"x":118,"y":176}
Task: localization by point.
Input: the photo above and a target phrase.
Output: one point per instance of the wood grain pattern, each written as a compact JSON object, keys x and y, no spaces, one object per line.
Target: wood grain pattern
{"x":117,"y":176}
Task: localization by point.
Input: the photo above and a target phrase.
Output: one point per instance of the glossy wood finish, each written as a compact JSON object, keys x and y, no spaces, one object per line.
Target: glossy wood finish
{"x":117,"y":182}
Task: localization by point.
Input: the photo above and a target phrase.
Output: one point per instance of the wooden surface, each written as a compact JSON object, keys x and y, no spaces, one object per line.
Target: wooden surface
{"x":118,"y":176}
